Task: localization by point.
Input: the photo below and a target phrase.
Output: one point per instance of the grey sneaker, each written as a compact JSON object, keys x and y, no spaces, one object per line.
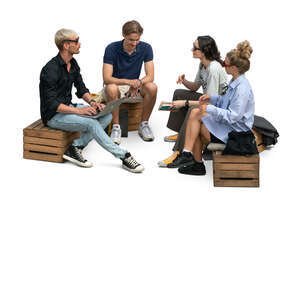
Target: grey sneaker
{"x":131,"y":165}
{"x":145,"y":132}
{"x":74,"y":155}
{"x":115,"y":134}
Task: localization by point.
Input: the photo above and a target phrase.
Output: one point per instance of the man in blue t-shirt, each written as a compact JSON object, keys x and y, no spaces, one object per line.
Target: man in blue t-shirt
{"x":122,"y":64}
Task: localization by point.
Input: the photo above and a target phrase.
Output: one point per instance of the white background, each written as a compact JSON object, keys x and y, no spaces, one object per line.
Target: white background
{"x":104,"y":233}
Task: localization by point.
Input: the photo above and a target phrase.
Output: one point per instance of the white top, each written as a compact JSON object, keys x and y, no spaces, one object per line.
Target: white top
{"x":213,"y":79}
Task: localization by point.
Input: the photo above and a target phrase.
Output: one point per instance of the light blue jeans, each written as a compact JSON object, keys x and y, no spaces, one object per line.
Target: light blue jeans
{"x":90,"y":128}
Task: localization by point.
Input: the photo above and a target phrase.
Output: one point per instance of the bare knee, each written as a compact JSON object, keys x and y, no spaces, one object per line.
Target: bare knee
{"x":112,"y":91}
{"x":195,"y":113}
{"x":150,"y":88}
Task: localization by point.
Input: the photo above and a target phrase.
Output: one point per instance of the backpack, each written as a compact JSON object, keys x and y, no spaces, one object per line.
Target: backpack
{"x":266,"y":129}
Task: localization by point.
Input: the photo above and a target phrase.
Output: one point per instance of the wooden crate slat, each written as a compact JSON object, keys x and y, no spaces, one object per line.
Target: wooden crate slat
{"x":44,"y":149}
{"x":235,"y":158}
{"x":235,"y":167}
{"x":43,"y":156}
{"x":236,"y":174}
{"x":34,"y":124}
{"x":237,"y":183}
{"x":46,"y":142}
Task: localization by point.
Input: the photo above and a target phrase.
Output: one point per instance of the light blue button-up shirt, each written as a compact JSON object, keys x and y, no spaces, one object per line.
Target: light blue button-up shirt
{"x":232,"y":112}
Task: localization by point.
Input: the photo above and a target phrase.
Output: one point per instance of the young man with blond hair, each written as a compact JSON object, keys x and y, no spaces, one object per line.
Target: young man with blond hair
{"x":122,"y":65}
{"x":57,"y":111}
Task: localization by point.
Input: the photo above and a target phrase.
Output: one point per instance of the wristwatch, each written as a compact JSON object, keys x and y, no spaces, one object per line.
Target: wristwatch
{"x":186,"y":105}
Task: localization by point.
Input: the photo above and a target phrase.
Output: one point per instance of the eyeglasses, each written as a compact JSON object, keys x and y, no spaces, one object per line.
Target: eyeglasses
{"x":224,"y":65}
{"x":72,"y":41}
{"x":195,"y":48}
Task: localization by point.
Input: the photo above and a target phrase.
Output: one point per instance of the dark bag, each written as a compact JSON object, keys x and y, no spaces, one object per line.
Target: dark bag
{"x":267,"y":130}
{"x":241,"y":143}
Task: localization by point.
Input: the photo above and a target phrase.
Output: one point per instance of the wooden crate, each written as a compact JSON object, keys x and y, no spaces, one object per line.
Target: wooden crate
{"x":259,"y":142}
{"x":44,"y":143}
{"x":135,"y":111}
{"x":235,"y":170}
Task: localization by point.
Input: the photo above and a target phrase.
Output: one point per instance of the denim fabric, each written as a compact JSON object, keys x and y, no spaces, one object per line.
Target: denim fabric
{"x":91,"y":129}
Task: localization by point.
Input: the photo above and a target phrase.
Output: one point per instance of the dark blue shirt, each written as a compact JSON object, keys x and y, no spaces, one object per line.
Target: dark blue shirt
{"x":125,"y":65}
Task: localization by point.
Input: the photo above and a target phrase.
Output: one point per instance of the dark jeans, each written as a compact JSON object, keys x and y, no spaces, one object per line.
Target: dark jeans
{"x":178,"y":120}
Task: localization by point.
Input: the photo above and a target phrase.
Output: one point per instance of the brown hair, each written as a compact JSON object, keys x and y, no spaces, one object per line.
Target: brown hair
{"x":239,"y":57}
{"x":132,"y":27}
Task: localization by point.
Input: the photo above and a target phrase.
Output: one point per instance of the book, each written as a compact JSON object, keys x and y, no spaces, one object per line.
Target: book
{"x":167,"y":106}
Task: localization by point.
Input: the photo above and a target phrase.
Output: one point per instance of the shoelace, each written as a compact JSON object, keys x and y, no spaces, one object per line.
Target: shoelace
{"x":132,"y":162}
{"x":78,"y":153}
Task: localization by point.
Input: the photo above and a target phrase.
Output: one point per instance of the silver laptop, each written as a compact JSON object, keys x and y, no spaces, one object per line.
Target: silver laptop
{"x":110,"y":106}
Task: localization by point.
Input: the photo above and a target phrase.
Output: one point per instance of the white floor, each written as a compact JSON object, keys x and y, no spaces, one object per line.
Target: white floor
{"x":104,"y":233}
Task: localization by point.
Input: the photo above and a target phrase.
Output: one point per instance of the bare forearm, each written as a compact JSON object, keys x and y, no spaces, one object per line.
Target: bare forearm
{"x":117,"y":81}
{"x":65,"y":109}
{"x":193,"y":86}
{"x":147,"y":79}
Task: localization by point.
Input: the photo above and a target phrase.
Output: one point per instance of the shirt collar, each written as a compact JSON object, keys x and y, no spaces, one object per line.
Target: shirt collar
{"x":137,"y":49}
{"x":234,"y":83}
{"x":61,"y":61}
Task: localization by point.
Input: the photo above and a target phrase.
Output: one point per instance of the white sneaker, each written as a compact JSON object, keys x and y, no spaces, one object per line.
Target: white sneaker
{"x":115,"y":134}
{"x":145,"y":132}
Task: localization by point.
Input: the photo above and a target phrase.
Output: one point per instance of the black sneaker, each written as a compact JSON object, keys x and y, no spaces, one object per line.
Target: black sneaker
{"x":74,"y":155}
{"x":131,"y":165}
{"x":197,"y":168}
{"x":183,"y":159}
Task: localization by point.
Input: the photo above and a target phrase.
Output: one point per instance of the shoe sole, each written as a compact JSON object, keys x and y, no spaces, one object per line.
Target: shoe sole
{"x":140,"y":170}
{"x":182,"y":165}
{"x":169,"y":141}
{"x":161,"y":164}
{"x":76,"y":162}
{"x":146,"y":139}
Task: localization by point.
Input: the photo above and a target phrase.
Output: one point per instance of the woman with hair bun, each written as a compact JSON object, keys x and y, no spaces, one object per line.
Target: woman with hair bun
{"x":219,"y":115}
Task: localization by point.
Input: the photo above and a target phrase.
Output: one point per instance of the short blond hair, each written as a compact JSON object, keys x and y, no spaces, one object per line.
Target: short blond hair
{"x":240,"y":56}
{"x":62,"y":35}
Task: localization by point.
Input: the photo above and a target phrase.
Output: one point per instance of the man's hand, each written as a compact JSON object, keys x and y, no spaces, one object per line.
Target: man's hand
{"x":178,"y":103}
{"x":204,"y":99}
{"x":133,"y":92}
{"x":180,"y":79}
{"x":88,"y":110}
{"x":135,"y":83}
{"x":98,"y":106}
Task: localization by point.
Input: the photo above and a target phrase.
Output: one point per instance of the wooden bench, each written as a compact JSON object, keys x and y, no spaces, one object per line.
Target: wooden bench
{"x":235,"y":170}
{"x":44,"y":143}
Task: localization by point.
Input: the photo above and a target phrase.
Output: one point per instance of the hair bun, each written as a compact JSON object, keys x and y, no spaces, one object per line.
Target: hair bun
{"x":244,"y":50}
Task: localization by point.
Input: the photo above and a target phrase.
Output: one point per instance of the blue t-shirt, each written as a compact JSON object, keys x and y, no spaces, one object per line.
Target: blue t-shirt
{"x":125,"y":65}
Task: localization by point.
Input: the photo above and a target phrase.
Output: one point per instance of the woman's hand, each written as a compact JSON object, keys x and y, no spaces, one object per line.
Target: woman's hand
{"x":180,"y":79}
{"x":202,"y":109}
{"x":178,"y":103}
{"x":204,"y":99}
